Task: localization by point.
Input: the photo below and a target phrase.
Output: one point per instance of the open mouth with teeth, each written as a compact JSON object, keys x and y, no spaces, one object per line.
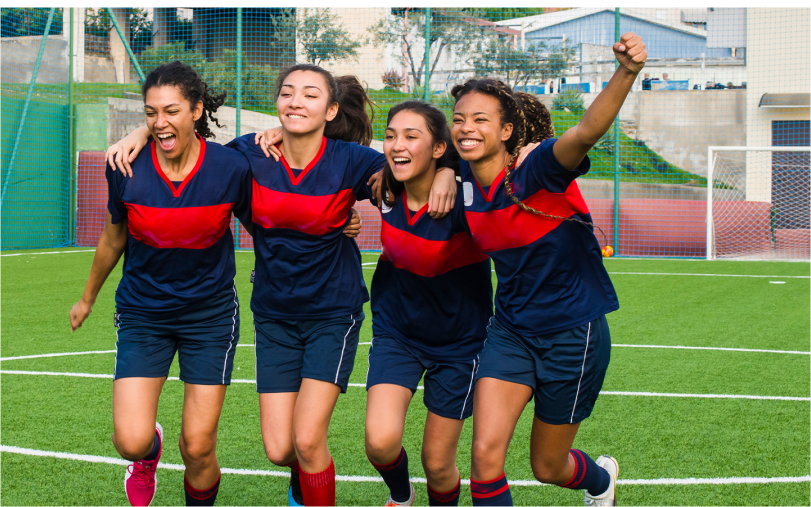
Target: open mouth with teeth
{"x":400,"y":162}
{"x":295,"y":116}
{"x":469,"y":143}
{"x":167,"y":141}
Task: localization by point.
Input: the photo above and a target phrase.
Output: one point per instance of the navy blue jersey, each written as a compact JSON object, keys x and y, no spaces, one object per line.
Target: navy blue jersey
{"x":550,"y":272}
{"x":306,"y":268}
{"x":432,"y":288}
{"x":180,"y":249}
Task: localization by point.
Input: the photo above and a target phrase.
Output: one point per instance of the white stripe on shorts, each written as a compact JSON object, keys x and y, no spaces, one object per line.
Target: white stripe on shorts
{"x":233,"y":330}
{"x":588,"y":334}
{"x":470,"y":388}
{"x":338,"y":372}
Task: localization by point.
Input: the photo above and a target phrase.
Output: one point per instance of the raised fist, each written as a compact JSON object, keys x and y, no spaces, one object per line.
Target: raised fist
{"x":630,"y":52}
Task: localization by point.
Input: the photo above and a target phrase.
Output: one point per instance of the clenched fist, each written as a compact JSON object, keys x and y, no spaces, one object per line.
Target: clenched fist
{"x":630,"y":52}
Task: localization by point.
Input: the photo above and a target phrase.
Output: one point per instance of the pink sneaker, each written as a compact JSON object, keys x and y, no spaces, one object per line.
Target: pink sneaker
{"x":140,"y":482}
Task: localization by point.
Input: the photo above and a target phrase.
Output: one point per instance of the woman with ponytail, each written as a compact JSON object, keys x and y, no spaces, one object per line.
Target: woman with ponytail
{"x":170,"y":219}
{"x":549,"y":337}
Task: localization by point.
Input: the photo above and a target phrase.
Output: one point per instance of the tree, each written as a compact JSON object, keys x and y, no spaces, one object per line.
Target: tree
{"x":451,"y":31}
{"x":499,"y":56}
{"x":98,"y":22}
{"x":501,"y":13}
{"x":25,"y":21}
{"x":320,"y":33}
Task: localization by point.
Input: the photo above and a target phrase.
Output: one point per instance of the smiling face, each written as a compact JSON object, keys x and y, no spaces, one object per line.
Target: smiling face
{"x":303,"y":103}
{"x":170,"y":119}
{"x":409,"y":147}
{"x":477,"y":131}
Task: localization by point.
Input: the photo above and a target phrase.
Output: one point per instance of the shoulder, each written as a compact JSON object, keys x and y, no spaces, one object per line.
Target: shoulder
{"x":227,"y":158}
{"x":353,"y":148}
{"x":245,"y":144}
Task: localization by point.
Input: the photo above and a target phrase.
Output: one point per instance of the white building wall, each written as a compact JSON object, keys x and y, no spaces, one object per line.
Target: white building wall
{"x":778,"y":45}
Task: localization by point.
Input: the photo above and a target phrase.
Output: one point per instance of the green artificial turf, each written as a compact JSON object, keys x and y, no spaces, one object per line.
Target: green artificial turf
{"x":653,"y":437}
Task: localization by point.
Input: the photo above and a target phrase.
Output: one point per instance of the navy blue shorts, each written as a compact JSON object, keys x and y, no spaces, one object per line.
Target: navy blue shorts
{"x":205,"y":339}
{"x":448,"y":385}
{"x":289,"y":350}
{"x":566,"y":369}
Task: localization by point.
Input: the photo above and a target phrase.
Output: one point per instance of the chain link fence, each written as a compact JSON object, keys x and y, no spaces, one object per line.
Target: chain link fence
{"x":714,"y":77}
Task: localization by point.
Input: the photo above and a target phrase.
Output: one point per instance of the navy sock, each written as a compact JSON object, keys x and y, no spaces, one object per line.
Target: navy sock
{"x":395,"y":475}
{"x":156,"y":449}
{"x":494,"y":492}
{"x":448,"y":498}
{"x":200,"y":497}
{"x":588,"y":475}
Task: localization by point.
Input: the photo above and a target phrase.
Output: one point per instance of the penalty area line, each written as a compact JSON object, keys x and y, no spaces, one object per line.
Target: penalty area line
{"x":607,"y":393}
{"x":88,"y":458}
{"x":48,"y":253}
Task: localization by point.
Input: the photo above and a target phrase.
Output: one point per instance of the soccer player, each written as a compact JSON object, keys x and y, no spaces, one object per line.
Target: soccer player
{"x":549,"y":336}
{"x":432,"y":296}
{"x":171,"y":220}
{"x":309,"y":290}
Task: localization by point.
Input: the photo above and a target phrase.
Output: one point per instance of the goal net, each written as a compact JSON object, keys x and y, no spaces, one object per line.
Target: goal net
{"x":758,"y":203}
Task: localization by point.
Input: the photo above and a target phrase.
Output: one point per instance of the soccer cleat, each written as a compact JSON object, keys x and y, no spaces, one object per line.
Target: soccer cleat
{"x":140,"y":482}
{"x":294,"y":496}
{"x":609,"y":497}
{"x":410,"y":501}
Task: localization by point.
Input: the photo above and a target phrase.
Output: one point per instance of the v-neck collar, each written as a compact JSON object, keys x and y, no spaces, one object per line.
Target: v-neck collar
{"x":417,"y":214}
{"x":176,"y":191}
{"x":297,"y":179}
{"x":488,"y":196}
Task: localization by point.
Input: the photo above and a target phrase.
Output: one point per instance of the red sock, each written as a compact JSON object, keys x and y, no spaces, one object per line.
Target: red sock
{"x":319,"y":488}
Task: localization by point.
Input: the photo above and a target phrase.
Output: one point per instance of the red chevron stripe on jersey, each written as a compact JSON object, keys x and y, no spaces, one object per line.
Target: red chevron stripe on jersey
{"x":193,"y":227}
{"x":425,"y":257}
{"x":310,"y":214}
{"x":513,"y":227}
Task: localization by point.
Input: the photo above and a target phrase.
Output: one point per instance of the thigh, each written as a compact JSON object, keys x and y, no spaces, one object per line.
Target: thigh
{"x":202,"y":406}
{"x":143,"y":349}
{"x":135,"y":407}
{"x":329,"y":348}
{"x":279,"y":355}
{"x":497,"y":406}
{"x":276,"y":418}
{"x":207,"y":340}
{"x":314,"y":405}
{"x":390,"y":362}
{"x":570,"y":372}
{"x":449,"y":388}
{"x":440,"y":438}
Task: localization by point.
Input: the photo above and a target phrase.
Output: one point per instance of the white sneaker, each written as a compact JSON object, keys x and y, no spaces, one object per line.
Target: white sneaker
{"x":409,"y":502}
{"x":609,"y":497}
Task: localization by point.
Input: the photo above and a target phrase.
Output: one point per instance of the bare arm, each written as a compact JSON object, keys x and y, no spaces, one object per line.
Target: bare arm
{"x":111,"y":245}
{"x":575,"y":143}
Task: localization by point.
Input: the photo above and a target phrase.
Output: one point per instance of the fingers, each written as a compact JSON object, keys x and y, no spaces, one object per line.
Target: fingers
{"x":275,"y":153}
{"x":627,"y":36}
{"x":524,"y":152}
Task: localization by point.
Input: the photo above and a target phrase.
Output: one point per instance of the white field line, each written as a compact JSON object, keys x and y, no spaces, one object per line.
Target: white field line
{"x":609,"y":393}
{"x":676,"y":347}
{"x":705,"y":274}
{"x":48,"y":253}
{"x":360,"y":478}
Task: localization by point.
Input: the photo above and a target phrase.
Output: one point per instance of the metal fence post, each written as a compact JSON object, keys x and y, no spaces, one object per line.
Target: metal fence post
{"x":616,"y":222}
{"x":126,"y":45}
{"x":426,"y":91}
{"x":239,"y":99}
{"x":72,"y":135}
{"x":26,"y":104}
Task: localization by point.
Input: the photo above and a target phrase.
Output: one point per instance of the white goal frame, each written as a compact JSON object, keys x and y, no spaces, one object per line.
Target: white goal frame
{"x":711,"y":154}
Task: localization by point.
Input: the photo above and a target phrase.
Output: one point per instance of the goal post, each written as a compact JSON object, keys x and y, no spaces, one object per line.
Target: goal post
{"x":758,"y":202}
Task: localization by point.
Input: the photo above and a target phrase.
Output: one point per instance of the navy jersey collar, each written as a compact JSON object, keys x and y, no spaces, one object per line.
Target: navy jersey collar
{"x":417,"y":214}
{"x":297,"y":179}
{"x":176,"y":191}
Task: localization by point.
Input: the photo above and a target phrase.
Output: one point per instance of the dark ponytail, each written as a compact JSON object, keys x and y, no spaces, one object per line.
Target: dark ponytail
{"x":437,"y":127}
{"x":352,"y":123}
{"x":191,"y":87}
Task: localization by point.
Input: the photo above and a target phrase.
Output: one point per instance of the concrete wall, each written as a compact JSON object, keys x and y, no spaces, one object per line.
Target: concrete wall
{"x":679,"y":125}
{"x":19,"y":55}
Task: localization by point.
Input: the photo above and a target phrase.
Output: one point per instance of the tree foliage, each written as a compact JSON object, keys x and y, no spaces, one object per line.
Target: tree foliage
{"x":320,"y":33}
{"x":98,"y":23}
{"x":501,"y":13}
{"x":26,"y":21}
{"x":502,"y":57}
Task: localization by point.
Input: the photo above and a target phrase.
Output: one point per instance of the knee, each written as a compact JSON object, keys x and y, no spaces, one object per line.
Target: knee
{"x":197,"y":448}
{"x":382,"y":448}
{"x":437,"y":467}
{"x":279,"y":455}
{"x":548,"y":472}
{"x":133,"y":448}
{"x":309,"y":445}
